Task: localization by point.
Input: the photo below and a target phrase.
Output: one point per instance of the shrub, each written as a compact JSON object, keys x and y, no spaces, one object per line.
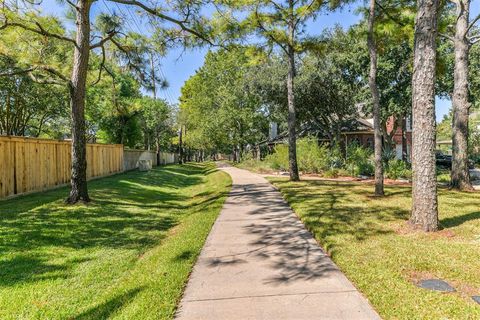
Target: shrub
{"x":335,"y":158}
{"x":359,"y":160}
{"x":397,"y":169}
{"x":312,"y":158}
{"x":331,"y":173}
{"x":279,"y":159}
{"x":388,"y":153}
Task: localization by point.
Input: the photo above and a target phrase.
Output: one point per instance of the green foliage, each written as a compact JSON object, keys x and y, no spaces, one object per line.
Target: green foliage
{"x":315,"y":158}
{"x":217,"y":109}
{"x":249,"y":163}
{"x":36,"y":97}
{"x":359,"y":160}
{"x":331,"y":173}
{"x":278,"y":160}
{"x":31,"y":109}
{"x":336,"y":157}
{"x":312,"y":157}
{"x":396,"y":169}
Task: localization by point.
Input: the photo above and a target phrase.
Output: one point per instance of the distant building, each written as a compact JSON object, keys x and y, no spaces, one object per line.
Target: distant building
{"x":358,"y":130}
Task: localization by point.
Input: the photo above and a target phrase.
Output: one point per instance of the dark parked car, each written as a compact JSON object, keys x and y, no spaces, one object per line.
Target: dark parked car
{"x":445,"y":160}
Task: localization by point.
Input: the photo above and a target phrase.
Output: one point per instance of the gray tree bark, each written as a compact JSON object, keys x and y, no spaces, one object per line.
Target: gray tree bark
{"x":460,"y":99}
{"x":424,"y":188}
{"x":180,"y":145}
{"x":372,"y":81}
{"x":292,"y":136}
{"x":79,"y":191}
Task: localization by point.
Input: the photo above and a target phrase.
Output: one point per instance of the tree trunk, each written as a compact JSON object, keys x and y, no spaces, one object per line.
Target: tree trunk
{"x":372,"y":81}
{"x":180,"y":145}
{"x":404,"y":138}
{"x":157,"y":149}
{"x":79,"y":191}
{"x":154,"y":80}
{"x":461,"y":105}
{"x":292,"y":136}
{"x":424,"y":187}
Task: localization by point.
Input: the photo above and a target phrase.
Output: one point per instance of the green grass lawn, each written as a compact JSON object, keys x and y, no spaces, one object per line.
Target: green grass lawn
{"x":370,"y":241}
{"x":127,"y":255}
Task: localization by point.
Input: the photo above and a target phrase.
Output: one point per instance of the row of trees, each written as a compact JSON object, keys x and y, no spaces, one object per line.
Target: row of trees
{"x":318,"y":82}
{"x":387,"y":62}
{"x":77,"y":59}
{"x":116,"y":112}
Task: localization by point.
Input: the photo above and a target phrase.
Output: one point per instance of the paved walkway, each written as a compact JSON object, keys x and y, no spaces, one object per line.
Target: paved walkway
{"x":259,"y":262}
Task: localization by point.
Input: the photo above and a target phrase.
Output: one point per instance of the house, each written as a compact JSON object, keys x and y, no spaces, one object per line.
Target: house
{"x":358,"y":130}
{"x":361,"y":131}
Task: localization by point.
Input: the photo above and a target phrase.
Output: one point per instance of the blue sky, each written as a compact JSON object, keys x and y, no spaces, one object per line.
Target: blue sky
{"x":178,"y":65}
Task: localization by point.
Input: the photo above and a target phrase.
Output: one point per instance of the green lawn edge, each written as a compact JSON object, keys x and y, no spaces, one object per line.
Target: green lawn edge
{"x":370,"y":241}
{"x":127,"y":255}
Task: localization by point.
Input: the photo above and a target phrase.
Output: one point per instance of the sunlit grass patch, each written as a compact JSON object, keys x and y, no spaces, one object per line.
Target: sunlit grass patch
{"x":126,"y":255}
{"x":369,"y":239}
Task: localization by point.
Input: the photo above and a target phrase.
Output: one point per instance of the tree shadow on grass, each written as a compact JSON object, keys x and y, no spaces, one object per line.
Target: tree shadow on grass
{"x":332,"y":210}
{"x":130,"y":211}
{"x":29,"y":268}
{"x":456,"y":221}
{"x":108,"y":308}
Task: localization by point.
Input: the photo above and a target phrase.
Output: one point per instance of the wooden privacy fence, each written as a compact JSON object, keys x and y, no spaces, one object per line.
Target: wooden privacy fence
{"x":28,"y":164}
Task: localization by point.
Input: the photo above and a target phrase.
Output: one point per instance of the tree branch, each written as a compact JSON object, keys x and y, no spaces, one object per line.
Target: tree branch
{"x":267,"y":32}
{"x":102,"y":65}
{"x":43,"y":81}
{"x":474,"y":21}
{"x":127,"y":53}
{"x":394,"y":19}
{"x":54,"y":72}
{"x":47,"y":69}
{"x":40,"y":30}
{"x":100,"y":43}
{"x":474,"y":40}
{"x":157,"y":13}
{"x":15,"y":73}
{"x":446,"y":36}
{"x":71,"y":4}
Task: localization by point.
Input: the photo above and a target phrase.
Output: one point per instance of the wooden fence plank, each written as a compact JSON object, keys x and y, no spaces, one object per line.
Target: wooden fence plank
{"x":28,"y":164}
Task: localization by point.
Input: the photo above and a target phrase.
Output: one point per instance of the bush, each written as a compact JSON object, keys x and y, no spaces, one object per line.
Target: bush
{"x":312,"y":158}
{"x":279,"y":159}
{"x":359,"y":161}
{"x":331,"y":173}
{"x":335,"y":158}
{"x":396,"y":169}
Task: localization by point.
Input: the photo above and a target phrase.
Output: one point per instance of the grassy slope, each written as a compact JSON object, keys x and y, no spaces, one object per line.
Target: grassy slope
{"x":125,"y":256}
{"x":369,"y":240}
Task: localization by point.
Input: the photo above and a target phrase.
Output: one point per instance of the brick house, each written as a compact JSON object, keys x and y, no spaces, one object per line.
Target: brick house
{"x":361,"y":132}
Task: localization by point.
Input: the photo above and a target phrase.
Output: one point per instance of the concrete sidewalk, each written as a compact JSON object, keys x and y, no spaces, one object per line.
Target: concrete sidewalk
{"x":259,"y":262}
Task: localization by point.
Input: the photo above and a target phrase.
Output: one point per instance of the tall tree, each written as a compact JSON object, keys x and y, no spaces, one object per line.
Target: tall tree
{"x":424,"y":192}
{"x":219,"y":110}
{"x":82,"y":46}
{"x":281,"y":23}
{"x":462,"y":41}
{"x":372,"y":81}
